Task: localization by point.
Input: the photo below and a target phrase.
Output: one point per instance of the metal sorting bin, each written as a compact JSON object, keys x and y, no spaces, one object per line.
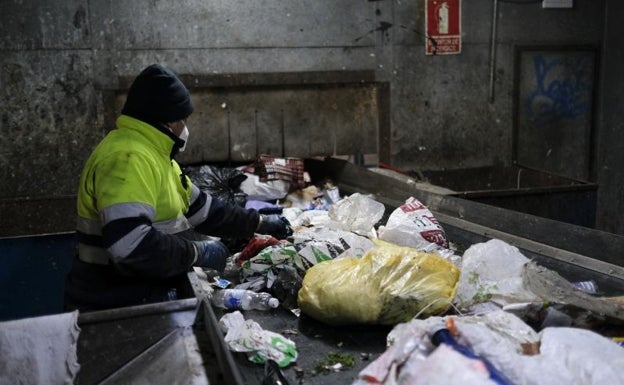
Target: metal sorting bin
{"x":161,"y":343}
{"x":586,"y":247}
{"x":522,"y":189}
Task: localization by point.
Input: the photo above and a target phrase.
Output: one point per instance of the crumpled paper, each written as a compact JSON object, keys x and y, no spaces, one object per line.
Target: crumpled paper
{"x":261,"y":345}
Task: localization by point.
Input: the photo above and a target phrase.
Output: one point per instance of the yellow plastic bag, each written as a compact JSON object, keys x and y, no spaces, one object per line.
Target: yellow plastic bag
{"x":388,"y":285}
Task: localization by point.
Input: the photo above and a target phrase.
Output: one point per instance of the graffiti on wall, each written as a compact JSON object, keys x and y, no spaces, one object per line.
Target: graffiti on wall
{"x":562,"y":90}
{"x":554,"y":103}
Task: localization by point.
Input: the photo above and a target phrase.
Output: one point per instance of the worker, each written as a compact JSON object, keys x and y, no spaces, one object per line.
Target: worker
{"x":135,"y":205}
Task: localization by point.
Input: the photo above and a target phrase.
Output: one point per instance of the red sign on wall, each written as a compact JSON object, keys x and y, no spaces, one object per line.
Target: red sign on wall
{"x":443,"y":27}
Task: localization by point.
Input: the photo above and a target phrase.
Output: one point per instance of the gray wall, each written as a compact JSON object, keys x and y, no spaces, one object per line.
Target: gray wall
{"x":610,"y":154}
{"x":64,"y":65}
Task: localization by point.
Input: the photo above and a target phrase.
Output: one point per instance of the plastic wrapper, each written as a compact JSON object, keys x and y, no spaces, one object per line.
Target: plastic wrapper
{"x":337,"y":242}
{"x":278,"y":254}
{"x":386,"y":286}
{"x":264,"y":191}
{"x":260,"y":345}
{"x":318,"y":218}
{"x":310,"y":247}
{"x":357,"y":213}
{"x":413,"y":225}
{"x":292,"y":213}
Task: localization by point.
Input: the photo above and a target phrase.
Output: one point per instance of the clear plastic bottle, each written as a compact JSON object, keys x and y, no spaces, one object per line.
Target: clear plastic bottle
{"x":238,"y":299}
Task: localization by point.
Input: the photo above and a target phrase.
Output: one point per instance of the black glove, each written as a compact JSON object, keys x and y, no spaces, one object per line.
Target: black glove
{"x":274,"y":225}
{"x":212,"y":254}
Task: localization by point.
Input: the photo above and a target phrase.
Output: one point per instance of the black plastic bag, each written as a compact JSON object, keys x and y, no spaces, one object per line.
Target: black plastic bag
{"x":220,"y":182}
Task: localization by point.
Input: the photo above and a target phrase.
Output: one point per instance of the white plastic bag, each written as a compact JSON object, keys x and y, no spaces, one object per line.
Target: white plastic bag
{"x":492,"y":272}
{"x":357,"y":213}
{"x":411,"y":358}
{"x":570,"y":356}
{"x":576,"y":357}
{"x":413,"y":225}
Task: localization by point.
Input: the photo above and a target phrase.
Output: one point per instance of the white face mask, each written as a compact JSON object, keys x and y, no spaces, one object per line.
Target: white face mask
{"x":184,"y":136}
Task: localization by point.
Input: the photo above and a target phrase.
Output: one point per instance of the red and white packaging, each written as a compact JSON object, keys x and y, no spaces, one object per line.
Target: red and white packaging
{"x":413,"y":225}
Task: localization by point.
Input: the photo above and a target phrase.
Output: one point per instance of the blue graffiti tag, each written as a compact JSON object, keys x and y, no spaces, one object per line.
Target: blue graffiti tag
{"x":563,"y":89}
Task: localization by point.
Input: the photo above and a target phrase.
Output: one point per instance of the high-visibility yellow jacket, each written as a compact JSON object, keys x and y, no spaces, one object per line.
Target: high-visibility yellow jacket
{"x":133,"y":199}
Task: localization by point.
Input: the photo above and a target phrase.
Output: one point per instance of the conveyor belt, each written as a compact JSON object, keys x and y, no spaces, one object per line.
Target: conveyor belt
{"x":121,"y":343}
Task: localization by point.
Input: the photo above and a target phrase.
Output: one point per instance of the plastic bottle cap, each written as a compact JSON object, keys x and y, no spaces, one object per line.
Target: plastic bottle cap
{"x":273,"y":303}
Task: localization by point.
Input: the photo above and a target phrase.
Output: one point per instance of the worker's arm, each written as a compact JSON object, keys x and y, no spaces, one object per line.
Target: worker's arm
{"x":140,"y":249}
{"x":212,"y":216}
{"x":137,"y":248}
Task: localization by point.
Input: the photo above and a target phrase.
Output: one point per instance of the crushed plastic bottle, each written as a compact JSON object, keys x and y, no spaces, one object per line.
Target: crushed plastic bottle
{"x":238,"y":299}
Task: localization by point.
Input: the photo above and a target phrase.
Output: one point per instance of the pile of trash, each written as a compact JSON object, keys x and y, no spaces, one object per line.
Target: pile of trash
{"x":490,"y":315}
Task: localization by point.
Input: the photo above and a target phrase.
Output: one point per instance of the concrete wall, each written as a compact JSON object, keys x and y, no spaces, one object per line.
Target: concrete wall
{"x":610,"y":154}
{"x":442,"y":110}
{"x":63,"y":64}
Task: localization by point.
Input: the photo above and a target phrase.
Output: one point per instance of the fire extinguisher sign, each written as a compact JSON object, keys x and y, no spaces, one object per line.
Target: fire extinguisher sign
{"x":443,"y":27}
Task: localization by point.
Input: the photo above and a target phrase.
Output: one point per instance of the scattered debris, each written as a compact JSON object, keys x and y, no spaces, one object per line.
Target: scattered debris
{"x":299,"y":372}
{"x":334,"y":363}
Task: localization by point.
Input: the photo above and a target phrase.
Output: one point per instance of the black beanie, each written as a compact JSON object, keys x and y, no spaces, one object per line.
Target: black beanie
{"x":158,"y":96}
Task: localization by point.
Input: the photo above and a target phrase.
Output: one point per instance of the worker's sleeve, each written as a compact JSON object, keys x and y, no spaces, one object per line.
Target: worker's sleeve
{"x":212,"y":216}
{"x":139,"y":249}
